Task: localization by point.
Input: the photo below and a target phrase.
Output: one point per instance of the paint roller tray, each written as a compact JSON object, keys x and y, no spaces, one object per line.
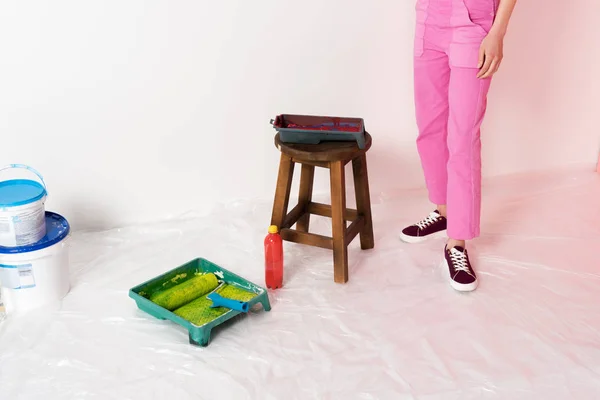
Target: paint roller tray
{"x":312,"y":129}
{"x":198,"y":334}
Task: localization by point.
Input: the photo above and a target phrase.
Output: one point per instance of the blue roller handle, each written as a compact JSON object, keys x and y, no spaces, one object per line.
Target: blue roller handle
{"x":220,"y":301}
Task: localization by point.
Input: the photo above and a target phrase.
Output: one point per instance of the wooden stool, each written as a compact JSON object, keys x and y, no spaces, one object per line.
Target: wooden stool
{"x":334,"y":156}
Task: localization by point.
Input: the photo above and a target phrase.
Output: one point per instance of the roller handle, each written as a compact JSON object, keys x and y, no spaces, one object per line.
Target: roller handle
{"x":220,"y":301}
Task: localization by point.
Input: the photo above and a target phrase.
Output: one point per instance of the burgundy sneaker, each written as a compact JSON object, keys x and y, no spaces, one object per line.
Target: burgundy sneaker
{"x":431,"y":226}
{"x":462,"y":276}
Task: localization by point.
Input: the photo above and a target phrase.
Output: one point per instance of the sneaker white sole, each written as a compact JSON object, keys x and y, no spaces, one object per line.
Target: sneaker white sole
{"x":468,"y":287}
{"x":419,"y":239}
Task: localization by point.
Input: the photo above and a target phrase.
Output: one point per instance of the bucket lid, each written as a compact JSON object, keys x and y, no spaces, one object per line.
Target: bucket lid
{"x":18,"y":192}
{"x":57,"y":228}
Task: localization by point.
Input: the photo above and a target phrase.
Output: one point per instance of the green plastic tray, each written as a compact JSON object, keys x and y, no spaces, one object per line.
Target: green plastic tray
{"x":199,"y":335}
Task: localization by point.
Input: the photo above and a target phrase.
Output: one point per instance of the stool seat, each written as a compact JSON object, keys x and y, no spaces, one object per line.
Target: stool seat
{"x":346,"y":223}
{"x":323,"y":152}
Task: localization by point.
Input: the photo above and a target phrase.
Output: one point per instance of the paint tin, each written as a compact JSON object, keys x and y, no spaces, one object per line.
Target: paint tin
{"x":22,"y":211}
{"x":35,"y":275}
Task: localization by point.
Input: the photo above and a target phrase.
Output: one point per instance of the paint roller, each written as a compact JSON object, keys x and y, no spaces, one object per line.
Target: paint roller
{"x":192,"y":289}
{"x":185,"y":292}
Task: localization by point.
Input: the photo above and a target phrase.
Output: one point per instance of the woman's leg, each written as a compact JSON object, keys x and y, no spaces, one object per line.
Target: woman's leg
{"x":468,"y":100}
{"x":431,"y":80}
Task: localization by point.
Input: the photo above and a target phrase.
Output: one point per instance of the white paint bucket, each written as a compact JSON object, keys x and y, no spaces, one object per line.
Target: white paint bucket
{"x":35,"y":275}
{"x":22,"y":220}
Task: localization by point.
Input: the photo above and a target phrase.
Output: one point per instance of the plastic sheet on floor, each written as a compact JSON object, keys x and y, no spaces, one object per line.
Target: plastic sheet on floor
{"x":396,"y":330}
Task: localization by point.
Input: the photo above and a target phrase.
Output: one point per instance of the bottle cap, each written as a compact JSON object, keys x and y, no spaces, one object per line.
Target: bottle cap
{"x":273,"y":229}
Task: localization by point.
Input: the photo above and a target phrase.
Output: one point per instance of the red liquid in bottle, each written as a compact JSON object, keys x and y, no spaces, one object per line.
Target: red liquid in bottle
{"x":273,"y":259}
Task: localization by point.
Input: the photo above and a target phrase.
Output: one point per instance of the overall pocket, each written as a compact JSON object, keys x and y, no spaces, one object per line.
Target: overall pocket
{"x":481,"y":12}
{"x":463,"y":55}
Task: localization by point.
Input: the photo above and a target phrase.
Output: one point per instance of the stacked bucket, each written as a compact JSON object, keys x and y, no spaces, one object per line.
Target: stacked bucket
{"x":34,"y":259}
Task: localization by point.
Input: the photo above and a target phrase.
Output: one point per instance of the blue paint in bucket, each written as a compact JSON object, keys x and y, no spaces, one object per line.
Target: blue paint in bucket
{"x":22,"y":220}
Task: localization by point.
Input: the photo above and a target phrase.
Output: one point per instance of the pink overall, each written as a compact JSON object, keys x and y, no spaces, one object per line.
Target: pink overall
{"x":450,"y":105}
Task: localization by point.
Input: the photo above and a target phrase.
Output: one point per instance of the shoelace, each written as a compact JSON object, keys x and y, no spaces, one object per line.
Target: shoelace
{"x":431,"y":218}
{"x":459,"y":261}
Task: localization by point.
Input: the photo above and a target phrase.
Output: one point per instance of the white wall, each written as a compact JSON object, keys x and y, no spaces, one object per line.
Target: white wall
{"x":137,"y":110}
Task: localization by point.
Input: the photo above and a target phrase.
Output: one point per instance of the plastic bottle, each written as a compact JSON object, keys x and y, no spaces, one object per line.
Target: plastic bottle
{"x":273,"y":259}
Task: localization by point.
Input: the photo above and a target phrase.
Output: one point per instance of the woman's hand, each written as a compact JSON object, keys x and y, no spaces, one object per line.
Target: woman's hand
{"x":490,"y":55}
{"x":490,"y":52}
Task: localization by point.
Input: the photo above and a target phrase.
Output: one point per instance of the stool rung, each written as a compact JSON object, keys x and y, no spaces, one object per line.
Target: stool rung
{"x":320,"y":164}
{"x":324,"y":210}
{"x":354,"y":229}
{"x":311,"y":239}
{"x":293,"y":216}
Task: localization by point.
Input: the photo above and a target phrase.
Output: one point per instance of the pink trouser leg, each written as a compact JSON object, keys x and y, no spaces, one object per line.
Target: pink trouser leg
{"x":467,"y":100}
{"x":450,"y":105}
{"x":432,"y":79}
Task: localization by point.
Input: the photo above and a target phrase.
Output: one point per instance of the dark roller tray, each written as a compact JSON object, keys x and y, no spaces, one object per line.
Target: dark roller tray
{"x":313,"y":129}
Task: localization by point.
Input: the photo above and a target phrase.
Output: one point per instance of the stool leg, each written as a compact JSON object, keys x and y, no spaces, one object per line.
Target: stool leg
{"x":282,"y":192}
{"x":338,"y":207}
{"x":307,"y":177}
{"x":363,"y":201}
